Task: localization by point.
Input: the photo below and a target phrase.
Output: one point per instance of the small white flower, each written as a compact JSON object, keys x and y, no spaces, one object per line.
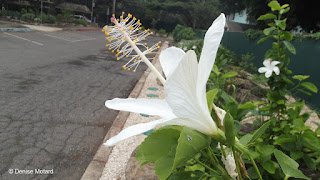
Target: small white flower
{"x":269,"y":67}
{"x":194,"y":47}
{"x":185,"y":88}
{"x":185,"y":48}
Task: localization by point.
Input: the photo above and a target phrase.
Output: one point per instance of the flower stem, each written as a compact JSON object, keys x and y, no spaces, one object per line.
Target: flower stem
{"x":204,"y":165}
{"x":137,"y":50}
{"x":255,"y":167}
{"x":237,"y":163}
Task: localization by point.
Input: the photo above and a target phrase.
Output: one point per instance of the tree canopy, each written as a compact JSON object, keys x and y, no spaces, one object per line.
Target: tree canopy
{"x":302,"y":13}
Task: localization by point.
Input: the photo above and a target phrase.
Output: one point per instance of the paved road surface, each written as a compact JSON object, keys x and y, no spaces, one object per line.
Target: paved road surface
{"x":52,"y":94}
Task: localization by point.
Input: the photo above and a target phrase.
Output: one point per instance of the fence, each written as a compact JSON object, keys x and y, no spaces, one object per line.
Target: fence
{"x":305,"y":62}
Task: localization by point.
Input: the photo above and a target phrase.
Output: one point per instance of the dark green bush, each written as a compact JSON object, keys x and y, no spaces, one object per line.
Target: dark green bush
{"x":28,"y":17}
{"x":253,"y":34}
{"x":181,"y":32}
{"x":162,"y":31}
{"x":80,"y":21}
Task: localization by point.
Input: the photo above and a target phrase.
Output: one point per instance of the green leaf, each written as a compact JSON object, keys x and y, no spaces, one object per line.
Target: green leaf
{"x":296,"y":154}
{"x":210,"y":97}
{"x":281,"y":23}
{"x":215,"y":70}
{"x":190,"y":143}
{"x":245,"y":139}
{"x":309,"y":162}
{"x":274,"y":5}
{"x":232,"y":108}
{"x":284,"y":138}
{"x":247,"y":105}
{"x":267,"y":31}
{"x":259,"y":132}
{"x":284,"y":6}
{"x":287,"y":35}
{"x":163,"y":166}
{"x":310,"y":86}
{"x":288,"y":165}
{"x":267,"y":16}
{"x":269,"y":166}
{"x":158,"y":144}
{"x":262,"y":39}
{"x":310,"y":140}
{"x":228,"y":75}
{"x":290,"y":47}
{"x":283,"y":11}
{"x":196,"y":167}
{"x":228,"y":124}
{"x":304,"y":92}
{"x":300,"y":77}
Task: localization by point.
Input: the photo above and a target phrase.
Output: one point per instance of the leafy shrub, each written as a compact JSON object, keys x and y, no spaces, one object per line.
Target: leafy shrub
{"x":181,"y":32}
{"x":48,"y":18}
{"x":29,"y":17}
{"x":65,"y":16}
{"x":162,"y":31}
{"x":246,"y":62}
{"x":80,"y":21}
{"x":253,"y":34}
{"x":37,"y":20}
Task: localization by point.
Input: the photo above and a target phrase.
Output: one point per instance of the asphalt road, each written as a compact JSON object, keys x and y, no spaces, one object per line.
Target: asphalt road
{"x":52,"y":94}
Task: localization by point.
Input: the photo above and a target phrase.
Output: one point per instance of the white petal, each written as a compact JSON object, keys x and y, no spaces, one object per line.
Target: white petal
{"x":169,"y":59}
{"x":262,"y":70}
{"x":209,"y":51}
{"x":146,"y":106}
{"x":274,"y":63}
{"x":133,"y":131}
{"x":268,"y":73}
{"x":276,"y":70}
{"x":267,"y":63}
{"x":181,"y":95}
{"x":195,"y":124}
{"x":219,"y":112}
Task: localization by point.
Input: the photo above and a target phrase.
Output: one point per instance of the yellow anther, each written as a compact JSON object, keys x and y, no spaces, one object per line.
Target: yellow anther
{"x":113,"y":15}
{"x":149,"y":52}
{"x":110,"y":30}
{"x":145,"y":43}
{"x":112,"y":51}
{"x":123,"y":53}
{"x":134,"y":70}
{"x":154,"y":58}
{"x":121,"y":17}
{"x":140,"y":27}
{"x":106,"y":33}
{"x":134,"y":18}
{"x":127,"y":56}
{"x":117,"y":58}
{"x":128,"y":69}
{"x":122,"y":12}
{"x":117,"y":19}
{"x":144,"y":38}
{"x":159,"y":42}
{"x":147,"y":47}
{"x":117,"y":50}
{"x":109,"y":48}
{"x":124,"y":66}
{"x":129,"y":15}
{"x":117,"y":45}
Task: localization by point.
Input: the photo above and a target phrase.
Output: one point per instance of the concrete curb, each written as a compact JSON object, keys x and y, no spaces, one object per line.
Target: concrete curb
{"x":96,"y":166}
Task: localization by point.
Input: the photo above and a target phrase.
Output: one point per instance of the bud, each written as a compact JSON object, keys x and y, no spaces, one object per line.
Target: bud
{"x":228,"y":124}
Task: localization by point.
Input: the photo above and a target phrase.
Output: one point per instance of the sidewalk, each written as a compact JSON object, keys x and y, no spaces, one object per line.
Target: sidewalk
{"x":110,"y":162}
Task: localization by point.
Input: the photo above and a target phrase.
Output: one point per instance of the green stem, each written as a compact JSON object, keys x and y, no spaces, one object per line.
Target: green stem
{"x":204,"y":165}
{"x":255,"y":167}
{"x":286,"y":178}
{"x":237,"y":163}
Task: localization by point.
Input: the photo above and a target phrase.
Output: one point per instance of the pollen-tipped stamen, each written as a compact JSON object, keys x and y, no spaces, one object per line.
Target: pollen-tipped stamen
{"x":123,"y":32}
